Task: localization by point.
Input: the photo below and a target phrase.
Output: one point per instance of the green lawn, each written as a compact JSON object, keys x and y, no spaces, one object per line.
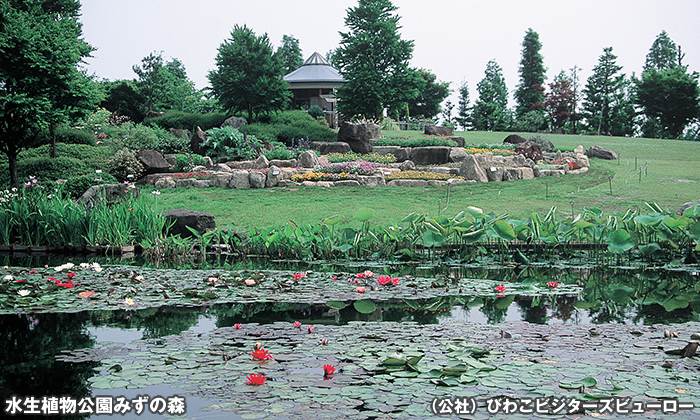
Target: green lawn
{"x":671,"y":179}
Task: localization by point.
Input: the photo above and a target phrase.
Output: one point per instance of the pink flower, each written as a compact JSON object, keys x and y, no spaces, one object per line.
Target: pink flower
{"x":67,"y":284}
{"x":395,"y":281}
{"x":360,"y":289}
{"x":364,"y":275}
{"x":255,"y":379}
{"x":324,"y":341}
{"x":237,"y":326}
{"x":249,"y":282}
{"x":553,"y":284}
{"x":261,"y":354}
{"x":32,"y":271}
{"x":310,"y":329}
{"x":383,"y":280}
{"x":298,"y":276}
{"x":500,"y":289}
{"x":328,"y":370}
{"x":70,"y":275}
{"x":297,"y":324}
{"x":335,"y":277}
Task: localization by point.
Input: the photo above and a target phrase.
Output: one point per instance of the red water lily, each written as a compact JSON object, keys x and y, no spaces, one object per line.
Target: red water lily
{"x":297,"y":324}
{"x":310,"y":329}
{"x":500,"y":289}
{"x":237,"y":326}
{"x":298,"y":276}
{"x":328,"y":370}
{"x":67,"y":284}
{"x":364,"y":275}
{"x":261,"y":354}
{"x":552,"y":284}
{"x":71,"y":275}
{"x":383,"y":280}
{"x":32,"y":271}
{"x":360,"y":290}
{"x":255,"y":379}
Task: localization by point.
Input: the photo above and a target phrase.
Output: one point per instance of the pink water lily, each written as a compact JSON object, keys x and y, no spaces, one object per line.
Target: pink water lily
{"x":297,"y":324}
{"x":237,"y":326}
{"x":298,"y":276}
{"x":360,"y":289}
{"x":552,"y":284}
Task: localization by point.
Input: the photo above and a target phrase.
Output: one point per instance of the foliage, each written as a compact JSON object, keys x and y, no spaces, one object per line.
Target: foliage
{"x":316,"y":111}
{"x":426,"y":175}
{"x":431,"y":93}
{"x":532,"y":74}
{"x":289,"y":54}
{"x":374,"y":60}
{"x":352,"y":156}
{"x":560,"y":101}
{"x":547,"y":145}
{"x":52,"y":169}
{"x":530,"y":122}
{"x":121,"y":97}
{"x":164,"y":85}
{"x":323,"y":176}
{"x":607,"y":106}
{"x":192,"y":175}
{"x":124,"y":166}
{"x":42,"y":85}
{"x":168,"y":143}
{"x":490,"y":111}
{"x":495,"y":151}
{"x":422,"y":141}
{"x":91,"y":156}
{"x":229,"y":142}
{"x":68,"y":135}
{"x":286,"y":126}
{"x":187,"y":161}
{"x":664,"y":54}
{"x":75,"y":186}
{"x":463,"y":109}
{"x":187,"y":120}
{"x":249,"y":76}
{"x":356,"y":167}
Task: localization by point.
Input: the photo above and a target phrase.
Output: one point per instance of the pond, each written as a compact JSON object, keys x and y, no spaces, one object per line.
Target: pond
{"x":443,"y":334}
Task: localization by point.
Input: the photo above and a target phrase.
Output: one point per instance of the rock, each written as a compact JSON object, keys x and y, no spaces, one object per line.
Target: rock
{"x":470,"y":169}
{"x":347,"y":183}
{"x":536,"y":171}
{"x":257,"y":179}
{"x":520,"y":159}
{"x":579,"y":149}
{"x":191,"y":182}
{"x":527,"y":173}
{"x":484,"y":159}
{"x":261,"y":162}
{"x":220,"y":179}
{"x":165,"y":183}
{"x":407,"y":183}
{"x":326,"y":147}
{"x":371,"y":181}
{"x":154,"y":114}
{"x":407,"y":165}
{"x":308,"y":159}
{"x":530,"y":150}
{"x":109,"y":193}
{"x":435,"y":155}
{"x":360,"y":137}
{"x":431,"y":130}
{"x":324,"y":184}
{"x":180,"y":133}
{"x":685,"y":207}
{"x":514,"y":139}
{"x":234,"y":122}
{"x":246,"y":164}
{"x":291,"y":163}
{"x":402,"y":154}
{"x":582,"y":160}
{"x":385,"y":150}
{"x":437,"y":183}
{"x":151,"y":179}
{"x":197,"y":220}
{"x":222,"y":167}
{"x":459,"y":140}
{"x":239,"y":180}
{"x":495,"y":173}
{"x":513,"y":174}
{"x":152,"y":161}
{"x":196,"y":141}
{"x":457,"y":154}
{"x":601,"y":153}
{"x":274,"y":174}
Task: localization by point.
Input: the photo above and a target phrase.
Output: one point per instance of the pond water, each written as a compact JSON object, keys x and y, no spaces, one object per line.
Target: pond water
{"x":33,"y":345}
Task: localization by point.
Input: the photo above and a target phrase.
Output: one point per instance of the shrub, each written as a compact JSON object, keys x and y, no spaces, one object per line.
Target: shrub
{"x":75,"y":186}
{"x":187,"y":120}
{"x":69,"y":135}
{"x":187,"y":162}
{"x":316,"y":111}
{"x":123,"y":164}
{"x":94,"y":157}
{"x":352,"y":156}
{"x":426,"y":175}
{"x":530,"y":122}
{"x":279,"y":153}
{"x":322,"y":176}
{"x":422,"y":141}
{"x":167,"y":143}
{"x":51,"y":169}
{"x":230,"y":142}
{"x":286,"y":126}
{"x":358,"y":167}
{"x":547,"y":146}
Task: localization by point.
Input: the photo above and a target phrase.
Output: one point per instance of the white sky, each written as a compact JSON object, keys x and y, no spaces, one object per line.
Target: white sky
{"x":454,"y":39}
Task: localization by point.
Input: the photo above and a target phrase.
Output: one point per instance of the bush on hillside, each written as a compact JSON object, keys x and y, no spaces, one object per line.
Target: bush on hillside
{"x":51,"y":169}
{"x":187,"y":121}
{"x":70,"y":135}
{"x":123,"y":164}
{"x":75,"y":186}
{"x":547,"y":146}
{"x":286,"y":126}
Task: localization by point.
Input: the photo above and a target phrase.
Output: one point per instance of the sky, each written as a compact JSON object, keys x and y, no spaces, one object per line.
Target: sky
{"x":454,"y":39}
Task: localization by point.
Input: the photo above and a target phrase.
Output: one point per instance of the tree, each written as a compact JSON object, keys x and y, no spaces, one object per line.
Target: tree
{"x":373,"y":58}
{"x":490,"y":111}
{"x":560,"y":101}
{"x":607,"y":105}
{"x":663,"y":54}
{"x":164,"y":85}
{"x":249,"y":77}
{"x":447,"y":113}
{"x":532,"y":74}
{"x":290,"y":54}
{"x":122,"y":97}
{"x":430,"y":95}
{"x":41,"y":82}
{"x":670,"y":99}
{"x":464,"y":111}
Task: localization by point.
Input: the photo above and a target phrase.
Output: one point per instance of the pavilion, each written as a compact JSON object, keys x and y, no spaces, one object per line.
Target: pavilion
{"x":315,"y":83}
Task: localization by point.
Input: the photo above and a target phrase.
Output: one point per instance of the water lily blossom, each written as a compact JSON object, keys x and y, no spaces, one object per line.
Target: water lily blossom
{"x":32,"y":271}
{"x":310,"y":329}
{"x":8,"y":277}
{"x":328,"y":370}
{"x":500,"y":289}
{"x":86,"y":294}
{"x":552,"y":284}
{"x":298,"y":276}
{"x":261,"y":354}
{"x":71,"y":275}
{"x":255,"y":379}
{"x":237,"y":326}
{"x":249,"y":282}
{"x":68,"y":284}
{"x":324,"y":341}
{"x":365,"y":274}
{"x":128,"y":301}
{"x":297,"y":324}
{"x":360,"y":289}
{"x":23,"y":292}
{"x":96,"y":267}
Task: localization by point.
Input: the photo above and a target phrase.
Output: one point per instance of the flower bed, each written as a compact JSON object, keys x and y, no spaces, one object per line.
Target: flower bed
{"x":422,"y":141}
{"x":495,"y":151}
{"x":357,"y":167}
{"x":192,"y":175}
{"x":352,"y":156}
{"x":427,"y":175}
{"x":321,"y":176}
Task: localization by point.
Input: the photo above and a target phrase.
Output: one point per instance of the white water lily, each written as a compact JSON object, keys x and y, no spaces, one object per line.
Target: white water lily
{"x":129,"y":301}
{"x":66,"y":266}
{"x":23,"y":292}
{"x":84,"y":265}
{"x":96,"y":267}
{"x":8,"y":277}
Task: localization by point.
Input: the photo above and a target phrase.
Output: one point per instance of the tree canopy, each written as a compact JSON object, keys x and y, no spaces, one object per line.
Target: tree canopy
{"x":431,"y":93}
{"x":290,"y":54}
{"x":532,"y":74}
{"x":249,"y":76}
{"x":41,"y":81}
{"x":374,"y":59}
{"x":490,"y":111}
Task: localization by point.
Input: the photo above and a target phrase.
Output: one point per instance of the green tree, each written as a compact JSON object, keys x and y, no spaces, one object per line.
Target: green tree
{"x":529,"y":92}
{"x":164,"y":84}
{"x":374,"y":59}
{"x":151,"y":79}
{"x":290,"y":54}
{"x":663,"y":54}
{"x":607,"y":105}
{"x":464,"y":111}
{"x":669,"y":99}
{"x":122,"y":97}
{"x":490,"y":111}
{"x":249,"y":76}
{"x":41,"y":82}
{"x":430,"y":95}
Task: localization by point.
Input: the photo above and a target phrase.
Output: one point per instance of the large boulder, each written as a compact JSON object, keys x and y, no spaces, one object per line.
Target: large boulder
{"x":435,"y":155}
{"x":274,"y":175}
{"x":601,"y":153}
{"x":432,"y":130}
{"x":514,"y":139}
{"x":234,"y":122}
{"x":261,"y":162}
{"x":257,"y":179}
{"x":165,"y":183}
{"x":530,"y":150}
{"x":220,"y":179}
{"x":108,"y":193}
{"x":470,"y":169}
{"x":403,"y":154}
{"x":457,"y":154}
{"x":153,"y":162}
{"x":326,"y":147}
{"x":459,"y":140}
{"x":239,"y":180}
{"x":360,"y":137}
{"x":196,"y":141}
{"x":197,"y":220}
{"x":308,"y":159}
